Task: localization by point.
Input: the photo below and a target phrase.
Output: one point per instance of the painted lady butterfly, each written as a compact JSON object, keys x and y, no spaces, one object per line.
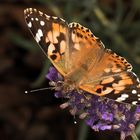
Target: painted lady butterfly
{"x":82,"y":59}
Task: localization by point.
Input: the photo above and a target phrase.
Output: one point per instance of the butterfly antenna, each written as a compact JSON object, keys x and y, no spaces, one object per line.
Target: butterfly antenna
{"x":39,"y":89}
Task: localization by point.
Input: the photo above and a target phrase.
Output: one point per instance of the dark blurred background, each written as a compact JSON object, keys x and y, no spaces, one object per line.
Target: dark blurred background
{"x":37,"y":116}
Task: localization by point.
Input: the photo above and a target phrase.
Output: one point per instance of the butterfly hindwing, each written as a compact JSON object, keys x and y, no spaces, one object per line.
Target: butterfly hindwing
{"x":113,"y":79}
{"x":126,"y":88}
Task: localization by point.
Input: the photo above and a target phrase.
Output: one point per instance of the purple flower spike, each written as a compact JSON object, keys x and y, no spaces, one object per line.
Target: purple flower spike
{"x":107,"y":116}
{"x":100,"y":113}
{"x":58,"y":94}
{"x":52,"y":74}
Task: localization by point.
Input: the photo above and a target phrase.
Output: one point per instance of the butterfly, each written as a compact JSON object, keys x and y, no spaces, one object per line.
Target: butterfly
{"x":81,"y":58}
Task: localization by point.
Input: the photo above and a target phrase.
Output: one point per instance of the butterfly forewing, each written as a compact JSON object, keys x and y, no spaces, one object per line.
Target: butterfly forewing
{"x":51,"y":33}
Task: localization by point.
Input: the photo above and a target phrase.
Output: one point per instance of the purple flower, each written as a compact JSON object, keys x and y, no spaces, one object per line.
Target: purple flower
{"x":99,"y":113}
{"x":53,"y":75}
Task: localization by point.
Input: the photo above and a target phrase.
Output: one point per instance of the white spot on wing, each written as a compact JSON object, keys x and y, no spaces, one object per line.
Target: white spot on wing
{"x":30,"y":9}
{"x":54,"y":17}
{"x":120,"y":99}
{"x":30,"y":24}
{"x":40,"y":13}
{"x":36,"y":19}
{"x":32,"y":19}
{"x":134,"y":91}
{"x":123,"y":97}
{"x":138,"y":95}
{"x":38,"y":36}
{"x":134,"y":102}
{"x":42,"y":23}
{"x":40,"y":32}
{"x":48,"y":17}
{"x":35,"y":10}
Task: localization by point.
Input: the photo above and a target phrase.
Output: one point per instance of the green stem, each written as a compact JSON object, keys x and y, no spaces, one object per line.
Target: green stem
{"x":101,"y":17}
{"x":134,"y":136}
{"x":83,"y":131}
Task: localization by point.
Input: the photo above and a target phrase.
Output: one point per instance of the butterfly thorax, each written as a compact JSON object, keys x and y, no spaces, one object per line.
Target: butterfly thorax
{"x":64,"y":86}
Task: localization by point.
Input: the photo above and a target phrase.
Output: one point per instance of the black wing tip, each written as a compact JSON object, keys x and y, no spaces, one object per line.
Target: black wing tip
{"x":29,"y":11}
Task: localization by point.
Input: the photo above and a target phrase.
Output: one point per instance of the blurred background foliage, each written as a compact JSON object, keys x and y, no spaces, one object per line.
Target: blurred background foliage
{"x":37,"y":116}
